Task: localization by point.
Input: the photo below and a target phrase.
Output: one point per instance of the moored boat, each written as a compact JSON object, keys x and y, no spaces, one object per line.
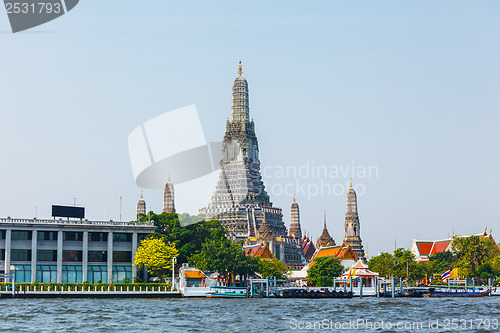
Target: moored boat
{"x":227,"y":292}
{"x":458,"y":292}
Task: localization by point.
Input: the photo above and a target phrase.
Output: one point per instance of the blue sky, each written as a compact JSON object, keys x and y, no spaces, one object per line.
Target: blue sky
{"x":409,"y":87}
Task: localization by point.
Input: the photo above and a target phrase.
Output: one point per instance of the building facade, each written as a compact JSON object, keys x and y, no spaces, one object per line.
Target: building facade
{"x":74,"y":251}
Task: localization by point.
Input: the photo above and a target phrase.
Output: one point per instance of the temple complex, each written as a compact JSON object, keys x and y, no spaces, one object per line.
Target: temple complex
{"x":352,"y":229}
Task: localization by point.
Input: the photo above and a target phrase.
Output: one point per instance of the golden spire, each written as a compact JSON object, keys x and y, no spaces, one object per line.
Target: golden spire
{"x":351,"y":182}
{"x":141,"y":193}
{"x":294,"y":197}
{"x":169,"y":176}
{"x":240,"y":69}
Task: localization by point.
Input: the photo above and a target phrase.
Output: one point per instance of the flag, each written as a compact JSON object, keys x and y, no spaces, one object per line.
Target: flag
{"x":454,"y":273}
{"x":446,"y":275}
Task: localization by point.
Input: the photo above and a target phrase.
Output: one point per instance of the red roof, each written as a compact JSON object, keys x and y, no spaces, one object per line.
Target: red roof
{"x":440,"y":246}
{"x":424,"y":248}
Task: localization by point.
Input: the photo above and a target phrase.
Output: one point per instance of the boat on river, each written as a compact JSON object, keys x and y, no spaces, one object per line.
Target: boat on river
{"x":453,"y":291}
{"x":227,"y":292}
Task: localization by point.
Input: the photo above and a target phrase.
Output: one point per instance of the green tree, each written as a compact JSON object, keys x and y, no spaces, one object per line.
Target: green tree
{"x":323,"y":270}
{"x":157,"y":255}
{"x":272,"y":268}
{"x":440,"y":262}
{"x":383,"y":264}
{"x":471,"y":253}
{"x":223,"y":256}
{"x":187,"y":239}
{"x":400,"y":264}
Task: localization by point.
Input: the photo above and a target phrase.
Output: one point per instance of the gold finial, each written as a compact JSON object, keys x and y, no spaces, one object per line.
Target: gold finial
{"x":351,"y":182}
{"x":294,"y":197}
{"x":141,"y":194}
{"x":169,"y":176}
{"x":240,"y":69}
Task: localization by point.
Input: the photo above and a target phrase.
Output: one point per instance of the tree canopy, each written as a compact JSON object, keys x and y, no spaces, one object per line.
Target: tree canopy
{"x":187,"y":239}
{"x":272,"y":268}
{"x":323,"y":271}
{"x":224,"y":256}
{"x":399,"y":264}
{"x":156,"y":255}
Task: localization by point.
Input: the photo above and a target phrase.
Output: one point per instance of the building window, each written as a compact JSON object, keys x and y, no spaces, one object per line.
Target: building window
{"x":46,"y":274}
{"x":98,"y":256}
{"x":122,"y":237}
{"x":2,"y":234}
{"x":72,"y":274}
{"x":20,"y":255}
{"x":122,"y":256}
{"x":46,"y":255}
{"x":72,"y":255}
{"x":120,"y":273}
{"x":97,"y":274}
{"x":141,"y":237}
{"x":21,"y":235}
{"x":98,"y":236}
{"x":72,"y":236}
{"x":47,"y":235}
{"x":2,"y":254}
{"x":22,"y":273}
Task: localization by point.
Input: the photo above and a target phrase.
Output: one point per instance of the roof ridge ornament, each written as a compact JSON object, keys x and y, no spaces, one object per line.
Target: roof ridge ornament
{"x":240,"y":69}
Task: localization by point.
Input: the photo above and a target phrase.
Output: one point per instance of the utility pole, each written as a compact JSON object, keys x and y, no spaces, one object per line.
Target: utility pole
{"x":174,"y":260}
{"x":120,"y":208}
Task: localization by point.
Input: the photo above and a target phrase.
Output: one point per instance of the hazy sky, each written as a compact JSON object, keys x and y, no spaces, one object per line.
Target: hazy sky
{"x":410,"y":89}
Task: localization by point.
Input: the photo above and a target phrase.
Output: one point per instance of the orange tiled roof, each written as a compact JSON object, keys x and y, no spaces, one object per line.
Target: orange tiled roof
{"x":439,"y":246}
{"x":347,"y":253}
{"x":261,"y":251}
{"x":328,"y":252}
{"x":194,"y":274}
{"x":424,"y":248}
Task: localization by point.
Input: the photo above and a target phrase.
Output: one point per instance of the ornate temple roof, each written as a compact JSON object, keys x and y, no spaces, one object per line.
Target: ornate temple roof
{"x":325,"y":239}
{"x":265,"y":232}
{"x":261,"y":251}
{"x":340,"y":252}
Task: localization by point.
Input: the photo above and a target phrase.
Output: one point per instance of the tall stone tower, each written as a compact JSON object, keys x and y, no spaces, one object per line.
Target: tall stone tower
{"x":352,"y":228}
{"x":295,"y":231}
{"x":141,"y":206}
{"x":240,"y":201}
{"x":168,"y":198}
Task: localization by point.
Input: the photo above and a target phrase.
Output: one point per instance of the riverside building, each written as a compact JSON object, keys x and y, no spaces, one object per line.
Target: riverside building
{"x":70,"y":251}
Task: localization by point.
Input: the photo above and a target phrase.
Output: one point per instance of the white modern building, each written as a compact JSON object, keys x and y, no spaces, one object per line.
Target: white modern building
{"x":70,"y":251}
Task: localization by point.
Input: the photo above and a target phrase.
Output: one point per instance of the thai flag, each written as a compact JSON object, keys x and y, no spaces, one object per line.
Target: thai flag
{"x":446,"y":275}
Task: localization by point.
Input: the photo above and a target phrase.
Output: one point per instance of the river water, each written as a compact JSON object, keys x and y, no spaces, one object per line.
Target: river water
{"x":251,"y":315}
